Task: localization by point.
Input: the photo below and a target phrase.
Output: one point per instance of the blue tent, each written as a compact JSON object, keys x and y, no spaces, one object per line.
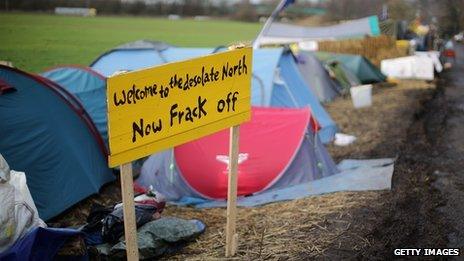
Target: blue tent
{"x":89,"y":87}
{"x":277,"y":81}
{"x":143,"y":54}
{"x":47,"y":134}
{"x":277,"y":73}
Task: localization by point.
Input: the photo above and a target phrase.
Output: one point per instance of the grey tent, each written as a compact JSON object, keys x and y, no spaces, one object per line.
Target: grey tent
{"x":317,"y":77}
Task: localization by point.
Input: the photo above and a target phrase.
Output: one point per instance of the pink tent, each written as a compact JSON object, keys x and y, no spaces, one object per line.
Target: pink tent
{"x":278,"y":148}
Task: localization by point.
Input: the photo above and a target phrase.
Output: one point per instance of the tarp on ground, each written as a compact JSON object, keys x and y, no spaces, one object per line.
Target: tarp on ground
{"x":314,"y":72}
{"x":278,"y":149}
{"x":365,"y":71}
{"x":46,"y":134}
{"x":277,"y":81}
{"x":89,"y":87}
{"x":282,"y":33}
{"x":355,"y":175}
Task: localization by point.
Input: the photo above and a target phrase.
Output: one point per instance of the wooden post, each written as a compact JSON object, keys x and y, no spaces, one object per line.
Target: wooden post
{"x":130,"y":227}
{"x":231,"y":235}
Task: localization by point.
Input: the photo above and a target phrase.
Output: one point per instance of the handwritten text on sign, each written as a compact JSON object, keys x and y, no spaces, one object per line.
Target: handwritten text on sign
{"x":161,"y":107}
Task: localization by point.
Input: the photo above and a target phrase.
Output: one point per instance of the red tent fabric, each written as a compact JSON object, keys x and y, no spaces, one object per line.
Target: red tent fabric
{"x":204,"y":167}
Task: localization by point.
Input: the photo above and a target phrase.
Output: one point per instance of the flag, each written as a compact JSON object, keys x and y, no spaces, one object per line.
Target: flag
{"x":286,"y":3}
{"x":280,"y":7}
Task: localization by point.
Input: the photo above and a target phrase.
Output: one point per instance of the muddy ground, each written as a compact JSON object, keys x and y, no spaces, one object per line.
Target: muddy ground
{"x":417,"y":123}
{"x":426,"y":206}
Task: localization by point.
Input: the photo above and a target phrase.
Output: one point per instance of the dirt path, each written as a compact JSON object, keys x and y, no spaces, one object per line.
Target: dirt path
{"x":426,"y":206}
{"x":450,"y":148}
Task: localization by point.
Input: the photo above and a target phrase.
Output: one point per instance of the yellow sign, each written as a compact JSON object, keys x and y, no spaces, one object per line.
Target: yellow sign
{"x":158,"y":108}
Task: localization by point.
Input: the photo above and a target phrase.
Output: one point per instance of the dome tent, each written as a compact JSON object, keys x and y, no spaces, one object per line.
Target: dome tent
{"x":317,"y":77}
{"x":364,"y":70}
{"x":89,"y":87}
{"x":344,"y":76}
{"x":61,"y":153}
{"x":277,"y":149}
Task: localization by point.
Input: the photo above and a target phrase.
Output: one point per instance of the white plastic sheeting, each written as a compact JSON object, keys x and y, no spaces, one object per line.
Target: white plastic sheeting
{"x":435,"y":56}
{"x":283,"y":33}
{"x":420,"y":67}
{"x":342,"y":139}
{"x":4,"y":170}
{"x":18,"y":213}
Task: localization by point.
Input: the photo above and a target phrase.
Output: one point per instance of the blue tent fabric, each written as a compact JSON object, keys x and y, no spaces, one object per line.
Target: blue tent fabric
{"x":127,"y":60}
{"x":38,"y":244}
{"x":45,"y":136}
{"x":306,"y":98}
{"x":289,"y":90}
{"x":265,"y":62}
{"x":89,"y":87}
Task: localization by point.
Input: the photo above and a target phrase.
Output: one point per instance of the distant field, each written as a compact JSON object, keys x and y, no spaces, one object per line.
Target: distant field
{"x":34,"y":42}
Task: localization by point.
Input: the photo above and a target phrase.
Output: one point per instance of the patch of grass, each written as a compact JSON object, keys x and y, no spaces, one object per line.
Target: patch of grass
{"x":34,"y":42}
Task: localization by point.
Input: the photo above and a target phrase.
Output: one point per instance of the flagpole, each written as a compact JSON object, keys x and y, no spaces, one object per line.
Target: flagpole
{"x":268,"y":22}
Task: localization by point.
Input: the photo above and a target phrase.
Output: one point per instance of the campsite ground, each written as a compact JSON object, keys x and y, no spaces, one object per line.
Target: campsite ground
{"x":338,"y":225}
{"x":420,"y":124}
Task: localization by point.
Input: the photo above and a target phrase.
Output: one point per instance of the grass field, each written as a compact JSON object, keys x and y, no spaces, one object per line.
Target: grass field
{"x":34,"y":42}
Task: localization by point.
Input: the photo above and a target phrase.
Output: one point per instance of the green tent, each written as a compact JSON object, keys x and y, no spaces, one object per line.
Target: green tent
{"x":365,"y":71}
{"x":345,"y":77}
